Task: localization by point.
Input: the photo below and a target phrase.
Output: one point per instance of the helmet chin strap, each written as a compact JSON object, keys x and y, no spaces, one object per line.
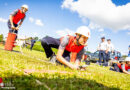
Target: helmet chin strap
{"x":77,"y":40}
{"x":23,"y":10}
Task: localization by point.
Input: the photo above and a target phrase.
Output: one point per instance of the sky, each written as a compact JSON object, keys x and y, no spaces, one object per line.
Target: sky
{"x":56,"y":18}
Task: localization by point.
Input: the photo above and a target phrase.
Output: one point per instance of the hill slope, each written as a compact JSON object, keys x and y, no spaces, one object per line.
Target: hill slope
{"x":13,"y":64}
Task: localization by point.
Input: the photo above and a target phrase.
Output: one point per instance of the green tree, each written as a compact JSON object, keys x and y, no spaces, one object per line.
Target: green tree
{"x":36,"y":38}
{"x":1,"y":37}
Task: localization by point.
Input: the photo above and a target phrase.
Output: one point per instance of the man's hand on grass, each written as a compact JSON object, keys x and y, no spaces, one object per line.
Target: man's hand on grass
{"x":72,"y":66}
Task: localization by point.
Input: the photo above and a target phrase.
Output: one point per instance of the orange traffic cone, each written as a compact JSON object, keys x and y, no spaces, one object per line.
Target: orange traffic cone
{"x":10,"y":41}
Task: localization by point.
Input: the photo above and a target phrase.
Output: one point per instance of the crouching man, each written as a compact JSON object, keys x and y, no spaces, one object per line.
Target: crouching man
{"x":123,"y":67}
{"x":70,"y":48}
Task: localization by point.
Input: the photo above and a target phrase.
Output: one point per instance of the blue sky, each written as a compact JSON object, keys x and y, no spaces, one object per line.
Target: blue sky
{"x":52,"y":17}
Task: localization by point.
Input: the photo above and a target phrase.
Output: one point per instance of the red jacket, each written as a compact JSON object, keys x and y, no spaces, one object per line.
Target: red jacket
{"x":126,"y":66}
{"x":18,"y":17}
{"x":71,"y":46}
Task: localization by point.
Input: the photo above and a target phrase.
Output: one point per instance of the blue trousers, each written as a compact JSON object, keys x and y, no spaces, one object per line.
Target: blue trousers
{"x":10,"y":30}
{"x":129,"y":54}
{"x":116,"y":68}
{"x":32,"y":46}
{"x":107,"y":56}
{"x":102,"y":55}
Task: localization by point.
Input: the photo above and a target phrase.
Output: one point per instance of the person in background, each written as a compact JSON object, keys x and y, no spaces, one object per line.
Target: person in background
{"x":70,"y":48}
{"x":118,"y":55}
{"x":110,"y":49}
{"x":102,"y":47}
{"x":129,"y":51}
{"x":123,"y":67}
{"x":33,"y":41}
{"x":16,"y":19}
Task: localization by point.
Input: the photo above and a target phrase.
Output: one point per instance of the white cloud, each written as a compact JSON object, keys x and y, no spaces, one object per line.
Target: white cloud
{"x":3,"y":20}
{"x":102,"y":35}
{"x":65,"y":32}
{"x":35,"y":34}
{"x":36,"y":21}
{"x":94,"y":26}
{"x":39,"y":22}
{"x":101,"y":30}
{"x":102,"y":12}
{"x":128,"y":33}
{"x":31,"y":19}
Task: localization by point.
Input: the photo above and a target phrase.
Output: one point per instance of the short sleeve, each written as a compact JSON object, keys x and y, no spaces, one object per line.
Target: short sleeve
{"x":123,"y":67}
{"x":64,"y":42}
{"x":14,"y":12}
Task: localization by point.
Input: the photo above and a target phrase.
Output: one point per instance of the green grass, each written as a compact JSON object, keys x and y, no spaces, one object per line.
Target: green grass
{"x":37,"y":46}
{"x":95,"y":77}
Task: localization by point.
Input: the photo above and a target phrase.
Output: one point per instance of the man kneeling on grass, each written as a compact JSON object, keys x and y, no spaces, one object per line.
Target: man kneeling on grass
{"x":124,"y":66}
{"x":70,"y":48}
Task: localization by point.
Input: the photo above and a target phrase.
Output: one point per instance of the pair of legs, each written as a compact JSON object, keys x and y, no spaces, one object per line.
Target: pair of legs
{"x":32,"y":46}
{"x":107,"y":59}
{"x":116,"y":68}
{"x":48,"y":43}
{"x":102,"y":54}
{"x":10,"y":29}
{"x":107,"y":56}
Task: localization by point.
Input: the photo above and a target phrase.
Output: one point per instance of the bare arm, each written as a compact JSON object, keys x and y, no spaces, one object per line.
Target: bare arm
{"x":20,"y":24}
{"x":11,"y":20}
{"x":63,"y":61}
{"x":73,"y":57}
{"x":98,"y":48}
{"x":60,"y":52}
{"x":123,"y":69}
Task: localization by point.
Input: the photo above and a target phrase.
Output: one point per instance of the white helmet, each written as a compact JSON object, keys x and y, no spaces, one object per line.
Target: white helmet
{"x":25,"y":6}
{"x":83,"y":30}
{"x":127,"y":59}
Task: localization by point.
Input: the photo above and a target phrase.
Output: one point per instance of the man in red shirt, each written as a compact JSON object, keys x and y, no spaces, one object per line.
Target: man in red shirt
{"x":122,"y":67}
{"x":70,"y":48}
{"x":16,"y":19}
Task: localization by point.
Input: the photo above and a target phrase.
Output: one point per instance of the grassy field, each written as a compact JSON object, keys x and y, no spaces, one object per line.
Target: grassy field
{"x":12,"y":65}
{"x":37,"y":46}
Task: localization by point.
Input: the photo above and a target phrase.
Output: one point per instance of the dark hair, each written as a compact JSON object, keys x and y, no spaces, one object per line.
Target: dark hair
{"x":108,"y":39}
{"x":102,"y":37}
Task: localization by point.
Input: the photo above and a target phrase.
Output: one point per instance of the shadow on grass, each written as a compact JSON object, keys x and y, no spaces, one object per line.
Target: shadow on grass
{"x":15,"y":51}
{"x":55,"y":82}
{"x":10,"y":51}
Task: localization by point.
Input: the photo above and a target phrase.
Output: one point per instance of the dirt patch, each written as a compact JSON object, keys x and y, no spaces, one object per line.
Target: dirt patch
{"x":45,"y":71}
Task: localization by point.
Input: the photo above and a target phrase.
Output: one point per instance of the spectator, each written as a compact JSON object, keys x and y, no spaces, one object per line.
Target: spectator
{"x":110,"y":49}
{"x":122,"y":67}
{"x":129,"y":51}
{"x":118,"y":55}
{"x":102,"y":47}
{"x":32,"y":43}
